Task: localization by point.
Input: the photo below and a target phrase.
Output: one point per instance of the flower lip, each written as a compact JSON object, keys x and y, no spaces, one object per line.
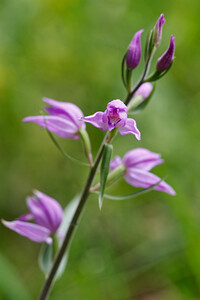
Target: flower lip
{"x":115,"y":114}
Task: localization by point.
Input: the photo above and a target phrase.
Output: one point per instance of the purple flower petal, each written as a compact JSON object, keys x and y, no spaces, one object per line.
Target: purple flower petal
{"x":60,"y":126}
{"x":26,"y":217}
{"x":97,"y":120}
{"x":165,"y":61}
{"x":116,"y":162}
{"x":158,"y":30}
{"x":66,"y":110}
{"x":145,"y":179}
{"x":134,"y":51}
{"x":33,"y":232}
{"x":47,"y":211}
{"x":144,"y":90}
{"x":130,"y":128}
{"x":115,"y":114}
{"x":141,"y":158}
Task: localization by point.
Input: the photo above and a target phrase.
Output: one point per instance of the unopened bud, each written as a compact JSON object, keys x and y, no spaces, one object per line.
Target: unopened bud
{"x":140,"y":98}
{"x":165,"y":61}
{"x":134,"y":51}
{"x":158,"y":30}
{"x":144,"y":90}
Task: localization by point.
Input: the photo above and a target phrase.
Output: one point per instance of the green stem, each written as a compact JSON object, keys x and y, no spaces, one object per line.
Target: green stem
{"x":48,"y":283}
{"x":140,"y":82}
{"x":128,"y":79}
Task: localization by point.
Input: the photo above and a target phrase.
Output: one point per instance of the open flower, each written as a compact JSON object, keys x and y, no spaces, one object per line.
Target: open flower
{"x":114,"y":116}
{"x":47,"y":214}
{"x":65,"y":119}
{"x":138,"y":162}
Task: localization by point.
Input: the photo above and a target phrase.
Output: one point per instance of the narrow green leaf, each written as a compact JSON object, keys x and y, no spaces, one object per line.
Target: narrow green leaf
{"x":45,"y":258}
{"x":104,"y":171}
{"x":133,"y":195}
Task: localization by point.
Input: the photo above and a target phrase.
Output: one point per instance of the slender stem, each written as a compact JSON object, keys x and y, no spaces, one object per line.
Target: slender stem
{"x":67,"y":239}
{"x":130,"y":95}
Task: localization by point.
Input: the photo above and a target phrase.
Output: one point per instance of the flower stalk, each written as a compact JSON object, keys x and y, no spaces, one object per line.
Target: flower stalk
{"x":140,"y":82}
{"x":49,"y":281}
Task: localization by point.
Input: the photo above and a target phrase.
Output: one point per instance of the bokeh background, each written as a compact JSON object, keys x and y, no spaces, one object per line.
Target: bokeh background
{"x":146,"y":248}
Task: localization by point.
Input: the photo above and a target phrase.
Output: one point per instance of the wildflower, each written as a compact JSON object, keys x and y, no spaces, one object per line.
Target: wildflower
{"x":158,"y":30}
{"x":47,"y":214}
{"x":138,"y":162}
{"x":114,"y":116}
{"x":65,"y":119}
{"x":133,"y":55}
{"x":165,"y":61}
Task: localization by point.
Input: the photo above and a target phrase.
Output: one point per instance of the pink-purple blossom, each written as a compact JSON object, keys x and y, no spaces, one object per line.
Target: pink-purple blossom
{"x":138,"y":162}
{"x":115,"y":115}
{"x":158,"y":30}
{"x":47,"y":214}
{"x":165,"y":61}
{"x":133,"y":55}
{"x":144,"y":90}
{"x":64,"y":119}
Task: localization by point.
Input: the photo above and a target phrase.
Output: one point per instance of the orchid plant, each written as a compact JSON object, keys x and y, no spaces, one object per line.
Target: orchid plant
{"x":45,"y":222}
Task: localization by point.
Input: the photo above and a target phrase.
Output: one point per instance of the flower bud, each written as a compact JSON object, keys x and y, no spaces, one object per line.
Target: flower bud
{"x":140,"y":98}
{"x":158,"y":30}
{"x":165,"y":61}
{"x":144,"y":90}
{"x":134,"y":51}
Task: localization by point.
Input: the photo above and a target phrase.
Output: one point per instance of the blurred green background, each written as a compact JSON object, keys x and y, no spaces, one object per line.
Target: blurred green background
{"x":146,"y":248}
